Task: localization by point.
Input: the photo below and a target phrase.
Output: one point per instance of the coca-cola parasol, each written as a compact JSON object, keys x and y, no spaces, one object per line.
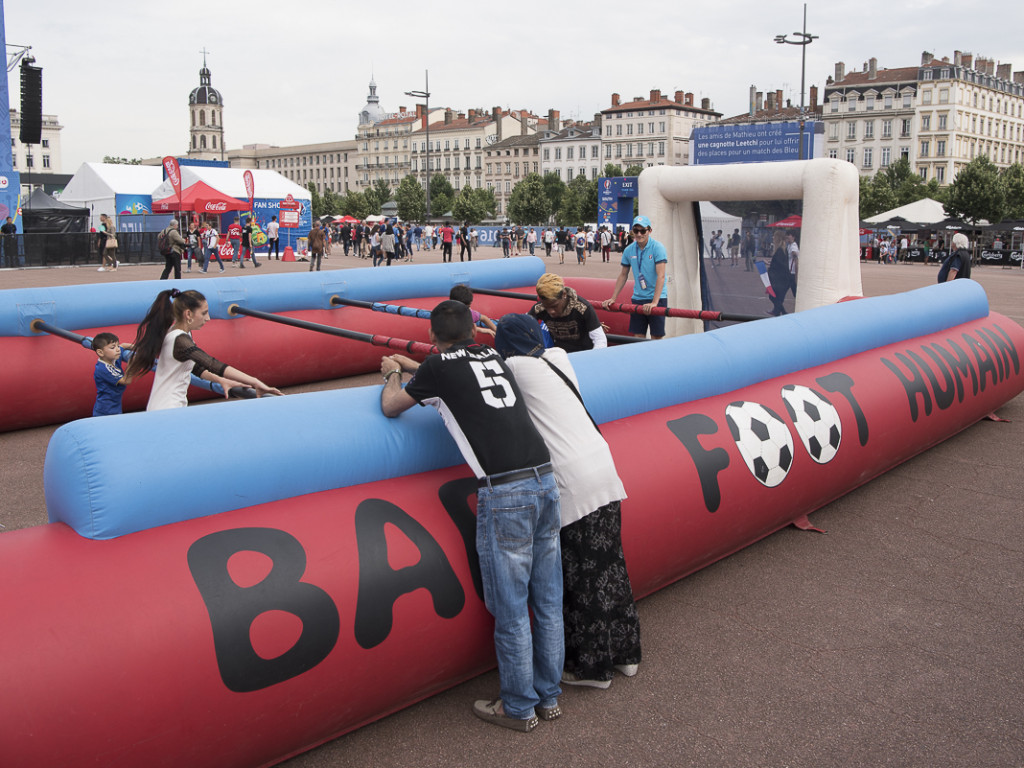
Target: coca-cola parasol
{"x":792,"y":222}
{"x":201,"y":198}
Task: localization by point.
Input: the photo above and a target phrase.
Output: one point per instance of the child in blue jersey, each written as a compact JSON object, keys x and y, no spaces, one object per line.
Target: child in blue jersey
{"x":109,"y":374}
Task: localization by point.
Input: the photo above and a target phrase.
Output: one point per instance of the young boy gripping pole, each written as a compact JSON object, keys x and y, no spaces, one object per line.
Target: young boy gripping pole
{"x":109,"y":374}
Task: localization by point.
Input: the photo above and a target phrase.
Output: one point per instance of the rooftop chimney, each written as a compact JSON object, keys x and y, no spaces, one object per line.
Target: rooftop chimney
{"x":759,"y":102}
{"x":958,"y":58}
{"x":814,"y":98}
{"x":968,"y":60}
{"x":688,"y":99}
{"x":778,"y":100}
{"x":1004,"y":71}
{"x":615,"y":99}
{"x":522,"y":123}
{"x":840,"y":71}
{"x":705,"y":103}
{"x":472,"y":115}
{"x":496,"y":116}
{"x":770,"y":105}
{"x":679,"y":97}
{"x":655,"y":97}
{"x":448,"y":116}
{"x":1018,"y":78}
{"x":926,"y":58}
{"x":872,"y":68}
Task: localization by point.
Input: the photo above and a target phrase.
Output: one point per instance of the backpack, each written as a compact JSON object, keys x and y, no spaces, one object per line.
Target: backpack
{"x":163,"y":242}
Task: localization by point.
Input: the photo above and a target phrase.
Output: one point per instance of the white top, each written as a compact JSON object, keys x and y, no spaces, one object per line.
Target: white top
{"x":583,"y":464}
{"x":171,"y":379}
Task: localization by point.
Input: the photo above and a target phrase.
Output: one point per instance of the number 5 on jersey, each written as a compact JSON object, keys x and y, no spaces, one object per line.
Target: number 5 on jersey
{"x":491,"y":377}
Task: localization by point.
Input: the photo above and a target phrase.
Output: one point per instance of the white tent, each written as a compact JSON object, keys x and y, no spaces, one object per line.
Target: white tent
{"x":267,"y":185}
{"x":926,"y":211}
{"x":112,"y":188}
{"x":713,"y":218}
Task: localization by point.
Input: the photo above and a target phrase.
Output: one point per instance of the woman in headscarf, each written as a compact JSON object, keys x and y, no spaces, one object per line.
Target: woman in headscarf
{"x":602,"y":628}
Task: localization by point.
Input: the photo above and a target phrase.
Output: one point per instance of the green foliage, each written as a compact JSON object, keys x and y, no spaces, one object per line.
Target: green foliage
{"x":442,"y":195}
{"x":331,"y":202}
{"x":528,"y":204}
{"x":633,"y":170}
{"x":575,"y":208}
{"x":978,"y":192}
{"x":411,"y":199}
{"x":892,"y":187}
{"x":611,"y":170}
{"x":373,"y":202}
{"x":355,"y":204}
{"x":473,"y":205}
{"x":876,"y":196}
{"x":554,"y":188}
{"x":317,"y":202}
{"x":1013,"y":184}
{"x":382,"y":190}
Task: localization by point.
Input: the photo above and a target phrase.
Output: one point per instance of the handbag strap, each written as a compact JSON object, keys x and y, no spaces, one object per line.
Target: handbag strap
{"x":571,"y":386}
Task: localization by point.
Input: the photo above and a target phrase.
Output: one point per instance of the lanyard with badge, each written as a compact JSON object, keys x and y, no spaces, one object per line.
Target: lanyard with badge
{"x":639,"y":266}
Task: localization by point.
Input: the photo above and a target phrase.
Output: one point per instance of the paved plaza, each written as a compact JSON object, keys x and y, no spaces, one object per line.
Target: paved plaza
{"x":895,"y":639}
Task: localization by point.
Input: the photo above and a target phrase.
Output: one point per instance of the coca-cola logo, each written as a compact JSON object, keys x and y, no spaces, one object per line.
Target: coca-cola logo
{"x":216,"y":207}
{"x":247,"y":177}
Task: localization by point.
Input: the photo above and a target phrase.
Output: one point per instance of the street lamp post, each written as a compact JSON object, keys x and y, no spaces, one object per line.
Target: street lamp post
{"x":425,"y":95}
{"x":803,"y":41}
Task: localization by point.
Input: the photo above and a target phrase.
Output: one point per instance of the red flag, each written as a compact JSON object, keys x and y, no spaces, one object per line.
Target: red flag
{"x":173,"y":173}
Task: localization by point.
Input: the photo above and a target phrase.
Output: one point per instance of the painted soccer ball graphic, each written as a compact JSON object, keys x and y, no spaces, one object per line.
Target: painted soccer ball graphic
{"x":764,"y":441}
{"x":816,"y":421}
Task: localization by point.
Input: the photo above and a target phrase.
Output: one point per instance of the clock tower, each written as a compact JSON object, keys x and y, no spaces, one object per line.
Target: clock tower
{"x":206,"y":112}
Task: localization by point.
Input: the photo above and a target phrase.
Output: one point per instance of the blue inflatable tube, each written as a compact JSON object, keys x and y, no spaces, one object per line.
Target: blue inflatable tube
{"x":107,"y":478}
{"x":97,"y":306}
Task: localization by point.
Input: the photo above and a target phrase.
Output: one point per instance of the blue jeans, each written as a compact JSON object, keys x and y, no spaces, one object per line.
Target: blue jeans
{"x":517,"y":527}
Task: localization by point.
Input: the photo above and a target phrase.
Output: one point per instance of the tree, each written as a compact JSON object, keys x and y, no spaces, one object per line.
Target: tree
{"x":331,"y":202}
{"x":488,"y":202}
{"x":354,"y":204}
{"x":316,"y":202}
{"x":528,"y":204}
{"x":382,"y":190}
{"x":1013,"y":184}
{"x":612,"y":171}
{"x":575,"y":210}
{"x":442,"y":195}
{"x":554,"y":188}
{"x":411,"y":199}
{"x":470,"y":206}
{"x":633,"y":170}
{"x":373,"y":202}
{"x":977,"y":192}
{"x":876,"y":196}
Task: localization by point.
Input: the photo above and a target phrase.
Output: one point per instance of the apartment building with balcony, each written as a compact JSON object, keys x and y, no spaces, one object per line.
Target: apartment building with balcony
{"x":654,"y":130}
{"x":940,"y":115}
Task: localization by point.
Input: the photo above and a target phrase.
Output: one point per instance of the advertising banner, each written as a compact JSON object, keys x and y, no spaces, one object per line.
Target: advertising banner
{"x":615,"y":197}
{"x":761,"y":143}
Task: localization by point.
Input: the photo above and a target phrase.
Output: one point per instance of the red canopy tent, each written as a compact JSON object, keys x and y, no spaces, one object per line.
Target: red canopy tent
{"x":795,"y":221}
{"x":345,"y":219}
{"x":201,"y":198}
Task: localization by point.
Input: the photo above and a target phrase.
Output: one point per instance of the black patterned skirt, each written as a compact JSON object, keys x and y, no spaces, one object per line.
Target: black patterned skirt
{"x":602,"y":628}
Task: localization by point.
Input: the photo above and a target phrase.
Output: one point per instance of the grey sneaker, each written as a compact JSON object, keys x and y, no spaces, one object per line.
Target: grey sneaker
{"x":571,"y":678}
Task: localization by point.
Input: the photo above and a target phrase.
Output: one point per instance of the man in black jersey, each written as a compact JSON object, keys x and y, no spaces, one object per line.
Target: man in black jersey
{"x":517,"y":507}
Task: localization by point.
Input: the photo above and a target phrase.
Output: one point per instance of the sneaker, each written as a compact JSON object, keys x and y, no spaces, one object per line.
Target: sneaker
{"x":492,"y":712}
{"x":628,"y":669}
{"x":257,"y":266}
{"x":571,"y":678}
{"x":222,"y":269}
{"x":101,"y":269}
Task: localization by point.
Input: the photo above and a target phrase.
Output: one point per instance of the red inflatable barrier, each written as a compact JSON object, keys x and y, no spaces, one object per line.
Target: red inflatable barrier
{"x":242,"y":638}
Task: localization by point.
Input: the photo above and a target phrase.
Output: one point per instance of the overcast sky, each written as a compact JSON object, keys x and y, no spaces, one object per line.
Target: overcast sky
{"x":118,"y":74}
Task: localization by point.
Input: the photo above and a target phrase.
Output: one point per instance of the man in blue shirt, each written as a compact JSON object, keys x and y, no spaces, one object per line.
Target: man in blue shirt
{"x":646,"y":258}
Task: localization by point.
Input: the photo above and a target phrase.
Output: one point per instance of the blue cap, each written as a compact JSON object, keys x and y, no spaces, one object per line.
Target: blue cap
{"x":642,"y":221}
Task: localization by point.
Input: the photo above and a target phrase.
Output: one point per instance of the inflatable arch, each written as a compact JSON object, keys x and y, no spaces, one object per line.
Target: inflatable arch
{"x":830,"y":190}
